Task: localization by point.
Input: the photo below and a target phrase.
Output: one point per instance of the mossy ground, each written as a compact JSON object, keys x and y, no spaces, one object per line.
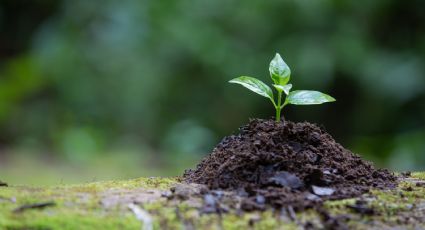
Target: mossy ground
{"x":103,"y":205}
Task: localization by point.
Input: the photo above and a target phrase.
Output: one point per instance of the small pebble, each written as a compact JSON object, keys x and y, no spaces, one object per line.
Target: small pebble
{"x":260,"y":199}
{"x":322,"y":191}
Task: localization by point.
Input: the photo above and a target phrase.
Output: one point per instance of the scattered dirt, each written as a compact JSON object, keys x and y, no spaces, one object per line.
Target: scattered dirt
{"x":287,"y":164}
{"x":362,"y":207}
{"x":185,"y":191}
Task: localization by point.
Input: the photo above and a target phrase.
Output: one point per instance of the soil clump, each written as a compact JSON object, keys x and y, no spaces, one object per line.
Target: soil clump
{"x":286,"y":164}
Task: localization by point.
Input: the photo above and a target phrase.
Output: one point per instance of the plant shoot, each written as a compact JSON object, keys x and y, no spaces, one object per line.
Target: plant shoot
{"x":281,"y":74}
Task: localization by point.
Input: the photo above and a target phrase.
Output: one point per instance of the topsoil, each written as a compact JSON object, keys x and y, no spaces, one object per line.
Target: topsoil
{"x":281,"y":164}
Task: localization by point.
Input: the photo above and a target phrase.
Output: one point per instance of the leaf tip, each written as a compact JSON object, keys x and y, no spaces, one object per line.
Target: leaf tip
{"x":234,"y":80}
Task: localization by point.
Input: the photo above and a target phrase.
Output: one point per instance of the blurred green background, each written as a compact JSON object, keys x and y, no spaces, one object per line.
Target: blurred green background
{"x":93,"y":90}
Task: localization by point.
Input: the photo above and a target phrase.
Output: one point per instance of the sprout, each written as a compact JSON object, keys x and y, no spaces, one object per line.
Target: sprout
{"x":281,"y":74}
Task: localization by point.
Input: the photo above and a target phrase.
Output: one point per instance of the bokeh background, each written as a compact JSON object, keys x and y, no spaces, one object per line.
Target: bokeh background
{"x":101,"y":89}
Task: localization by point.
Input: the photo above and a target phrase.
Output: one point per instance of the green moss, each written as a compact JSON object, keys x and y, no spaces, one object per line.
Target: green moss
{"x":79,"y":206}
{"x":419,"y":175}
{"x":60,"y":218}
{"x":143,"y":182}
{"x":392,"y":207}
{"x":76,"y":205}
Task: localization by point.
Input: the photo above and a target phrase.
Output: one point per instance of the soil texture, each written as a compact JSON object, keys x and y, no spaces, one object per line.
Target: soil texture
{"x":286,"y":164}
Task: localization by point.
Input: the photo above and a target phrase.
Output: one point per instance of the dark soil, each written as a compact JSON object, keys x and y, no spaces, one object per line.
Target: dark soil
{"x":286,"y":165}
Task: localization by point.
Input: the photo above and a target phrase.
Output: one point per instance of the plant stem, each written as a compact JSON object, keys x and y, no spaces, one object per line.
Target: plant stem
{"x":278,"y":107}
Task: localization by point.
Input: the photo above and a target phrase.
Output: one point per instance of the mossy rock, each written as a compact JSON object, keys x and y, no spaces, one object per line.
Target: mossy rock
{"x":105,"y":205}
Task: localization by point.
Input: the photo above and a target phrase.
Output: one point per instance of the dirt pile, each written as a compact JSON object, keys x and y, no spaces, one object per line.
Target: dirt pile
{"x":286,"y":164}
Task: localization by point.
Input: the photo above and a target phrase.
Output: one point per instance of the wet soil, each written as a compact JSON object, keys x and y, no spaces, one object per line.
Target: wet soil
{"x":286,"y":164}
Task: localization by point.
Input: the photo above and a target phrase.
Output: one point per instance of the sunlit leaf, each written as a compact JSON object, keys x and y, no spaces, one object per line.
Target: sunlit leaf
{"x":254,"y":85}
{"x":279,"y":70}
{"x":284,"y":88}
{"x":308,"y":97}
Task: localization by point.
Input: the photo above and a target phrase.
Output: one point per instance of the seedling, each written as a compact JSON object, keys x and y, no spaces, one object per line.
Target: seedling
{"x":280,"y":74}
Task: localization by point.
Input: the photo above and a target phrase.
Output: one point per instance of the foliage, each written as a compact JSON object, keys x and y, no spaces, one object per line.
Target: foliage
{"x":280,"y":74}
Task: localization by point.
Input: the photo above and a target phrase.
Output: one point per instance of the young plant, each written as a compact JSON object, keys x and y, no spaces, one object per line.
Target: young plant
{"x":280,"y":74}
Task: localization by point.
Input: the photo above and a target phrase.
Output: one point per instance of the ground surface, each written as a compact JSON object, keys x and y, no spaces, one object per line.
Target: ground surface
{"x":110,"y":205}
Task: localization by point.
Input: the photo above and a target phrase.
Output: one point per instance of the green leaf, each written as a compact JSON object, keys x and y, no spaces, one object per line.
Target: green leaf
{"x":307,"y":97}
{"x":254,"y":85}
{"x":279,"y":71}
{"x":284,"y":88}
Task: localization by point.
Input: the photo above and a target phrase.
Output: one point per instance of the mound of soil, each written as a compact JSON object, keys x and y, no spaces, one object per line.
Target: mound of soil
{"x":286,"y":164}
